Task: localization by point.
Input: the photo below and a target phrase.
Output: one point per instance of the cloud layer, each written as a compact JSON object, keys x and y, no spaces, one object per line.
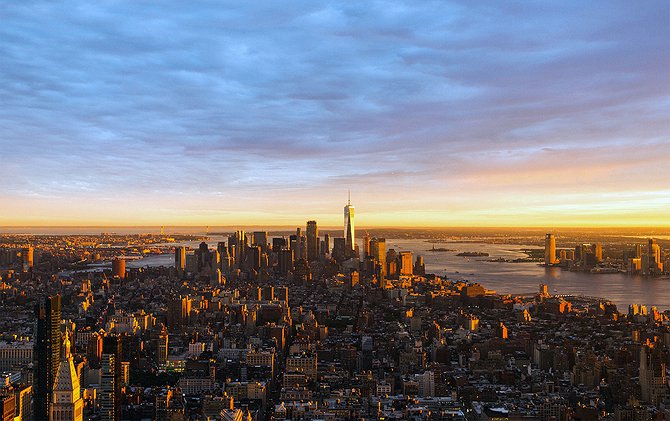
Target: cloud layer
{"x":432,"y":113}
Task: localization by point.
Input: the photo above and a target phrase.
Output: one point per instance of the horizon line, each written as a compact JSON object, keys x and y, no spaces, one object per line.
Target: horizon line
{"x":339,"y":227}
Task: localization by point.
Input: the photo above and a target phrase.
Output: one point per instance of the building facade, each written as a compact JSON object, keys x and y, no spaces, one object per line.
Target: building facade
{"x":66,"y":401}
{"x":47,"y":353}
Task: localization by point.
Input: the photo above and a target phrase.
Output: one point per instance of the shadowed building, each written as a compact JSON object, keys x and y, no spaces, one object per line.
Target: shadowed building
{"x":180,"y":260}
{"x":27,"y":255}
{"x":366,"y":246}
{"x":285,"y":261}
{"x":298,"y":243}
{"x":339,"y":249}
{"x":653,"y":376}
{"x":111,"y":375}
{"x":46,"y":353}
{"x":178,"y":313}
{"x":419,"y":266}
{"x":278,"y":243}
{"x":325,"y":245}
{"x":260,"y":238}
{"x":226,"y":261}
{"x":312,"y":241}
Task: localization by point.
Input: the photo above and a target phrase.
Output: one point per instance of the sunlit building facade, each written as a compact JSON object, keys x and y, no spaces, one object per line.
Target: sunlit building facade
{"x":550,"y":250}
{"x":349,"y":229}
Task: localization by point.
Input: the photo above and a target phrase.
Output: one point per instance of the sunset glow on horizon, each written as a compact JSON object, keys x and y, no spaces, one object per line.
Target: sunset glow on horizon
{"x":434,"y":115}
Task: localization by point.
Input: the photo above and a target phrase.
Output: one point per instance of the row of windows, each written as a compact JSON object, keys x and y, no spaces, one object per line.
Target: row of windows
{"x":65,"y":415}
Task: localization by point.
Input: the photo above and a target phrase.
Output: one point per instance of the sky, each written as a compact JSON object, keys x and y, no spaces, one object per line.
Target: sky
{"x":487,"y":113}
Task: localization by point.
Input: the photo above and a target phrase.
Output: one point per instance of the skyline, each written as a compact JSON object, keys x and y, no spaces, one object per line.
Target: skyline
{"x":434,"y":115}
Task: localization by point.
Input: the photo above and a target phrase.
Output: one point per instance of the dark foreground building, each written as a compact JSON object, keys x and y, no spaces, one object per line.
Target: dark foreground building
{"x":46,"y":353}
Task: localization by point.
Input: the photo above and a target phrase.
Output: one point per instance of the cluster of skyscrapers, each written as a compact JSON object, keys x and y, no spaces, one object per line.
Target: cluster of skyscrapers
{"x":637,"y":260}
{"x":585,"y":256}
{"x":366,"y":334}
{"x":258,"y":256}
{"x":646,"y":262}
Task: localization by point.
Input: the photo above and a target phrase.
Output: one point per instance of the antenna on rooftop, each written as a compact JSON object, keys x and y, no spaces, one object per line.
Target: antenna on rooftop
{"x":348,"y":197}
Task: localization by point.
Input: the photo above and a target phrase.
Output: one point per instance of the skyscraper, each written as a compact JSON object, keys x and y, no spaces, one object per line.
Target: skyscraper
{"x":110,"y":385}
{"x":204,"y":257}
{"x":550,"y":249}
{"x":377,"y":251}
{"x":326,"y":244}
{"x":66,"y":401}
{"x":285,"y":261}
{"x":419,"y":266}
{"x":312,"y":241}
{"x":653,"y":377}
{"x":366,"y":246}
{"x":278,"y":243}
{"x":237,"y":244}
{"x":597,"y":249}
{"x":225,"y":258}
{"x":119,"y":268}
{"x":406,"y":263}
{"x":180,"y":260}
{"x":339,"y":249}
{"x":299,"y":247}
{"x":178,"y":312}
{"x":392,"y":264}
{"x":254,"y":255}
{"x":260,"y":238}
{"x":349,"y":229}
{"x":654,"y":264}
{"x":27,"y":255}
{"x":46,"y":353}
{"x":160,"y":339}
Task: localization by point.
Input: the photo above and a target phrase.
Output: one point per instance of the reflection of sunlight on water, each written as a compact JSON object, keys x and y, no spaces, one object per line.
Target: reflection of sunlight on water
{"x":552,"y":272}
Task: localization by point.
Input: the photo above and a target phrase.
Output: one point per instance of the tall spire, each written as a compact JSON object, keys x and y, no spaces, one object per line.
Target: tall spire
{"x":349,"y":233}
{"x":348,"y":197}
{"x":65,"y":350}
{"x":66,"y":401}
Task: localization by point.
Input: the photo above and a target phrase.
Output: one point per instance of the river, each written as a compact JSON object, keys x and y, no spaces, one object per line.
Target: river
{"x":525,"y":277}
